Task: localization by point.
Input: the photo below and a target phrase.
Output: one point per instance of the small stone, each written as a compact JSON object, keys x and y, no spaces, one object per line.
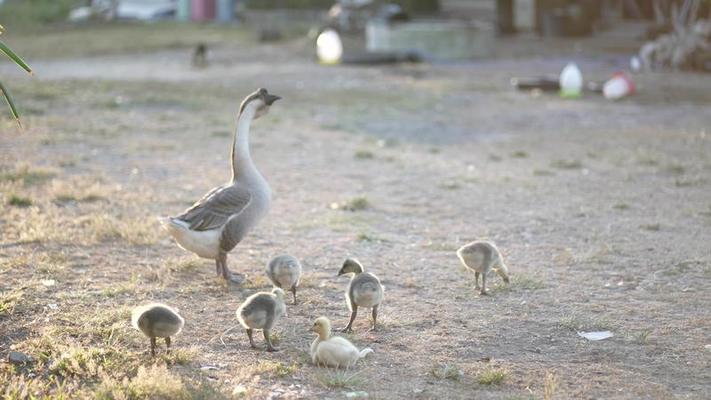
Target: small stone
{"x":16,"y":357}
{"x":357,"y":395}
{"x":48,"y":282}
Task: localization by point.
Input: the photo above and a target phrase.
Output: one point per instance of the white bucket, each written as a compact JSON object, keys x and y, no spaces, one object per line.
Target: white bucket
{"x":619,"y":86}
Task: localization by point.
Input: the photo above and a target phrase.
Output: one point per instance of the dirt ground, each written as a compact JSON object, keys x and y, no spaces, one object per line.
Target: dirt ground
{"x":602,"y":210}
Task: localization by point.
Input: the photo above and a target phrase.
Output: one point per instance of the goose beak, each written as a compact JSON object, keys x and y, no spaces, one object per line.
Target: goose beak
{"x":269,"y":99}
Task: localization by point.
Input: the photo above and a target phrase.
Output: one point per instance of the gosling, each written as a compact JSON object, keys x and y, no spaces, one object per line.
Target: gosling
{"x":200,"y":56}
{"x":157,"y":321}
{"x":261,"y":311}
{"x":333,"y":351}
{"x":285,"y":272}
{"x":482,"y":256}
{"x":364,"y":290}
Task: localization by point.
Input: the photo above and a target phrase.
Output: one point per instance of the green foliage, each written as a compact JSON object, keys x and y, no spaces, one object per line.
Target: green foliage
{"x":36,"y":12}
{"x":22,"y":64}
{"x":290,"y":4}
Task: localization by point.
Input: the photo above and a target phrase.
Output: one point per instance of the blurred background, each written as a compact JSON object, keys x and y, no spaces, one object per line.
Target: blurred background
{"x":574,"y":134}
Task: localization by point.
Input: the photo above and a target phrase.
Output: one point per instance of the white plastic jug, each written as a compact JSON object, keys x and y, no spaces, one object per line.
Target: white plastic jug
{"x":571,"y":81}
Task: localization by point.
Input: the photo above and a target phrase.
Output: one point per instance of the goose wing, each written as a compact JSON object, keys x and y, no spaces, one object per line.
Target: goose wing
{"x":216,"y":207}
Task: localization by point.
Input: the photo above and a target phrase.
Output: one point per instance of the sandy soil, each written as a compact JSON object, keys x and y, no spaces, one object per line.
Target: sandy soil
{"x":602,"y":210}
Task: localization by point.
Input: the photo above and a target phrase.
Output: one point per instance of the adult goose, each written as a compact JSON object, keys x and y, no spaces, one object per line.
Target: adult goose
{"x":215,"y":224}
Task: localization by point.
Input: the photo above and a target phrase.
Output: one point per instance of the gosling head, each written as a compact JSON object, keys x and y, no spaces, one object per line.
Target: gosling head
{"x":351,"y":265}
{"x":322,"y":327}
{"x":258,"y":103}
{"x":279,"y":293}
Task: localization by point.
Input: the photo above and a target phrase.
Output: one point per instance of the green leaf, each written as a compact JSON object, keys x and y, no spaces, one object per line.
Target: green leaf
{"x":15,"y":57}
{"x":10,"y":103}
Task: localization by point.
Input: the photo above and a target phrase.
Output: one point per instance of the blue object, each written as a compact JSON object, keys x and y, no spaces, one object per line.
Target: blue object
{"x":182,"y":12}
{"x":225,"y":10}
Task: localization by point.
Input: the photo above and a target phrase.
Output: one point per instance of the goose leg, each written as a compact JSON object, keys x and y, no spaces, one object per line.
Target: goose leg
{"x":476,"y":279}
{"x":353,"y":317}
{"x":153,"y":346}
{"x":268,"y":339}
{"x":375,"y":318}
{"x":251,"y":341}
{"x":293,"y":290}
{"x":226,"y":273}
{"x":167,"y":344}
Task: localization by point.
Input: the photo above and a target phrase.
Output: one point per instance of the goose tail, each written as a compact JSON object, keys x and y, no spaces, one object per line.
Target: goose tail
{"x":365,"y":352}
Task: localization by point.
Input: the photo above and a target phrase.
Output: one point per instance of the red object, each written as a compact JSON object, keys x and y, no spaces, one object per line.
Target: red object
{"x":627,"y":79}
{"x":202,"y":10}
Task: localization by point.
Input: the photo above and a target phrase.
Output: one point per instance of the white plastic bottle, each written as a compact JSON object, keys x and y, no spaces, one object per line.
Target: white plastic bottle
{"x":571,"y":81}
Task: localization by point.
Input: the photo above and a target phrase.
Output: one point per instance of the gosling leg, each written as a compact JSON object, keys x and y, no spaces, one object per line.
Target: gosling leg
{"x":353,"y":317}
{"x":483,"y":284}
{"x":268,"y":339}
{"x":293,"y":290}
{"x":153,"y":346}
{"x":218,"y":266}
{"x":375,"y":318}
{"x":167,"y":344}
{"x":251,"y":340}
{"x":476,"y":280}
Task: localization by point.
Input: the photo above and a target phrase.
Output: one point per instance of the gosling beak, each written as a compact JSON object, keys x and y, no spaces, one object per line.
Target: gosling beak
{"x":269,"y":99}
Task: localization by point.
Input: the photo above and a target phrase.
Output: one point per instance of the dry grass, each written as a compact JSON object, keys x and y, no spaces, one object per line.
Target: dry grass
{"x":340,"y":379}
{"x":492,"y":376}
{"x":9,"y":300}
{"x":447,"y":371}
{"x":550,"y":384}
{"x":26,"y":175}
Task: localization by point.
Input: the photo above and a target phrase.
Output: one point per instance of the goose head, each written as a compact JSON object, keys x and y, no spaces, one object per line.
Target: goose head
{"x":258,"y":103}
{"x":351,"y":265}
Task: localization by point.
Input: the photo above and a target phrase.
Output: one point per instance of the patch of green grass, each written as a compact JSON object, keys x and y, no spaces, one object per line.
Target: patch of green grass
{"x":19,"y":201}
{"x":450,"y":185}
{"x":359,"y":203}
{"x":8,"y":301}
{"x":651,"y":227}
{"x":567,"y":164}
{"x":364,"y":155}
{"x":519,"y":154}
{"x":121,"y":288}
{"x":519,"y":281}
{"x":447,"y":371}
{"x":179,"y":356}
{"x":577,"y":322}
{"x":26,"y":175}
{"x":492,"y":376}
{"x":542,"y":172}
{"x":276,"y":368}
{"x":340,"y":379}
{"x":675,"y":168}
{"x":256,"y":282}
{"x":621,"y":206}
{"x":642,"y":337}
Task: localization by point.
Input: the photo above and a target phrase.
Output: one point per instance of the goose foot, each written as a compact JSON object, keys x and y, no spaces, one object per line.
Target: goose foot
{"x":234,"y":277}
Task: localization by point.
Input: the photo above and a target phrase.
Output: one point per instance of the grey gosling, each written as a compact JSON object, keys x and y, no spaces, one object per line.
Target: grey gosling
{"x":157,"y":321}
{"x":215,"y":224}
{"x":364,"y":290}
{"x":481,"y":257}
{"x":200,"y":56}
{"x":285,"y":272}
{"x":261,"y":311}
